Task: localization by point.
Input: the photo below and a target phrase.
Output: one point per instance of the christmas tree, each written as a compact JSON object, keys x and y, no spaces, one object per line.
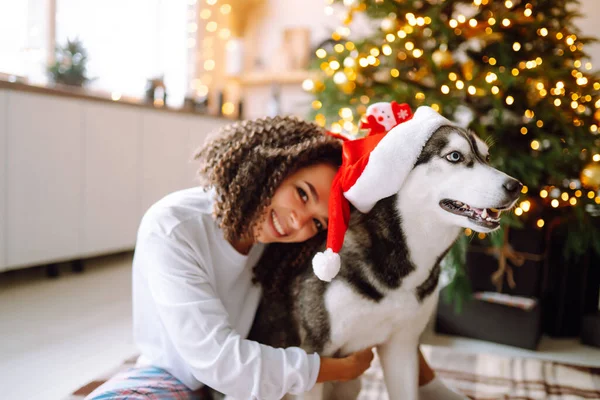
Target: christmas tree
{"x":70,"y":67}
{"x":515,"y":72}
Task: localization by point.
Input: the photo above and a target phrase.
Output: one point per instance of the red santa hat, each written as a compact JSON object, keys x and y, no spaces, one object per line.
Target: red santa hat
{"x":373,"y":168}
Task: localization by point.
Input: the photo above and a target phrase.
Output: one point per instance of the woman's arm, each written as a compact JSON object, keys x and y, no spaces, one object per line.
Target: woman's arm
{"x":426,"y":374}
{"x":345,"y":369}
{"x":198,"y":325}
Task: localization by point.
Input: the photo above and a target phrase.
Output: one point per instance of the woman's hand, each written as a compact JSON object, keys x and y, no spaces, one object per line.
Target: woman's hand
{"x":345,"y":369}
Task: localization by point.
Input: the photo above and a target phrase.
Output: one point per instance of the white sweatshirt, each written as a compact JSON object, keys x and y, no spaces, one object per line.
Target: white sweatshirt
{"x":194,"y":303}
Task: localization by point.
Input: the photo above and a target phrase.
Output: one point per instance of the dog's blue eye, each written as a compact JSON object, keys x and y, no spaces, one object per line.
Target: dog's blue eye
{"x":454,"y":157}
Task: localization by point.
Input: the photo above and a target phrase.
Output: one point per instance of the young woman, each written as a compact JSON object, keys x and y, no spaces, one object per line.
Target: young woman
{"x":194,"y":300}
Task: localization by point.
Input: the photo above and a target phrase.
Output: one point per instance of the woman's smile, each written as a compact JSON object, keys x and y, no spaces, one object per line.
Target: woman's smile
{"x":276,"y":224}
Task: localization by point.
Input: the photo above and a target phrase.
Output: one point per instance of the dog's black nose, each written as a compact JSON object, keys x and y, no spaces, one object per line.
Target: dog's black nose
{"x":513,"y":186}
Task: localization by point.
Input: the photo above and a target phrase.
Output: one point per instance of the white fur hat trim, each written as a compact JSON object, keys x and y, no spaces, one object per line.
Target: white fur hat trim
{"x":326,"y":265}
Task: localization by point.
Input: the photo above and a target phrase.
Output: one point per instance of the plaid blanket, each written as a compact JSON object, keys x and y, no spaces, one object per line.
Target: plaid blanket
{"x":479,"y":376}
{"x":487,"y":377}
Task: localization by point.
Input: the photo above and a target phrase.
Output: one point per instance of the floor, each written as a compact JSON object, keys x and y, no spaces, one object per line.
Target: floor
{"x":57,"y":334}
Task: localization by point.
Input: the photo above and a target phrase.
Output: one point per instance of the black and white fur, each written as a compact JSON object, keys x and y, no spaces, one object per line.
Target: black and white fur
{"x":387,"y":288}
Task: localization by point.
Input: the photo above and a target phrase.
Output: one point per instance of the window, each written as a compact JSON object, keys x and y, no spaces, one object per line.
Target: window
{"x":127,"y":41}
{"x":23,"y":38}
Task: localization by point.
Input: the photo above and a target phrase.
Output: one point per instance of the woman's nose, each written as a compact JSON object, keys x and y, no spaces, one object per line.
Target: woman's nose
{"x":298,"y":219}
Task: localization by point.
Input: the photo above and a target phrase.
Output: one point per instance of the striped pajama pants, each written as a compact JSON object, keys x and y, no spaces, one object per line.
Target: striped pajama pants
{"x":146,"y":383}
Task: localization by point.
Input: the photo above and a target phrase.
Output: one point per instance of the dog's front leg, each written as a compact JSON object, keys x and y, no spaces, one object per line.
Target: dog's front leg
{"x":316,"y":393}
{"x":345,"y":390}
{"x":400,"y":364}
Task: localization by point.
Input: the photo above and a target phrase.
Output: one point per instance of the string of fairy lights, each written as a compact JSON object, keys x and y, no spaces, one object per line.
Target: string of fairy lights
{"x":347,"y":73}
{"x":205,"y":29}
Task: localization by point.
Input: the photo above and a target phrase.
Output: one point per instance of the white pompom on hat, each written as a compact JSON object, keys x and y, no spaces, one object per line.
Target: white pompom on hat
{"x":373,"y":168}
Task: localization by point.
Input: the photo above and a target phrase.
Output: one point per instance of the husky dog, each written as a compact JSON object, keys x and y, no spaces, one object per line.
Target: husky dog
{"x":387,"y":288}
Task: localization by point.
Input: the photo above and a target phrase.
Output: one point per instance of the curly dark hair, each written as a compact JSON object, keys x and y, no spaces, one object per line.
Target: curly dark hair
{"x":280,"y":263}
{"x":247,"y":161}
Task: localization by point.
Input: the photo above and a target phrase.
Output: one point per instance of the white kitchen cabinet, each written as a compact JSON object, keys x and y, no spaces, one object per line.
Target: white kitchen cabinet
{"x":44,"y":173}
{"x":77,"y":174}
{"x":164,"y":156}
{"x":111,"y":187}
{"x":3,"y":154}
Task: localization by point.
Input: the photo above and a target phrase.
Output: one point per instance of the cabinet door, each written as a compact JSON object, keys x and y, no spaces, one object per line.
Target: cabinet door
{"x":44,"y":179}
{"x":200,"y":129}
{"x":111,"y":185}
{"x":3,"y":154}
{"x":165,"y":156}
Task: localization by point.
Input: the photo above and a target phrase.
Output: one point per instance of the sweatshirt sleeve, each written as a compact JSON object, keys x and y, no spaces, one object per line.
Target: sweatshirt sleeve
{"x":198,"y":325}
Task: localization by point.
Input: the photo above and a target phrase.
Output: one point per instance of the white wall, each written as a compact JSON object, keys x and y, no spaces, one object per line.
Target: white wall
{"x":264,"y":37}
{"x":589,"y":27}
{"x":266,"y":24}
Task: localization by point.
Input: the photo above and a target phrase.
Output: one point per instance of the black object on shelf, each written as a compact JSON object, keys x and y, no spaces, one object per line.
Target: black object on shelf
{"x":570,"y":290}
{"x":493,"y":322}
{"x":52,"y":271}
{"x":590,"y":329}
{"x":499,"y":323}
{"x":567,"y":289}
{"x":156,"y":91}
{"x":241,"y":109}
{"x":221,"y":101}
{"x":528,"y":277}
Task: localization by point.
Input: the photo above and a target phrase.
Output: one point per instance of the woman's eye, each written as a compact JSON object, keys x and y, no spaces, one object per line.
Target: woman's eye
{"x":318,"y":225}
{"x":454,"y":157}
{"x":303,"y":195}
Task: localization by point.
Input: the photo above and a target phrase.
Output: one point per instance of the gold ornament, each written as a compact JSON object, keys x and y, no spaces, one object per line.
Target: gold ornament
{"x":590,"y":176}
{"x":421,"y":74}
{"x":348,"y":87}
{"x":319,"y":86}
{"x":492,"y":38}
{"x":349,"y":17}
{"x":442,"y":58}
{"x":356,"y":8}
{"x":467,"y":69}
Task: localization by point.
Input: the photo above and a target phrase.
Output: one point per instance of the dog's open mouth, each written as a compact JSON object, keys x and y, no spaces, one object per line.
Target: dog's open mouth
{"x":486,"y":217}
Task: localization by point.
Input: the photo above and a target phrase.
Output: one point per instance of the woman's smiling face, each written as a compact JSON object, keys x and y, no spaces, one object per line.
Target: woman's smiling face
{"x":299,"y":207}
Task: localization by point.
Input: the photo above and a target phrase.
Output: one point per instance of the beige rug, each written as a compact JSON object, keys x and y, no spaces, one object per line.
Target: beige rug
{"x":479,"y":376}
{"x":487,"y":377}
